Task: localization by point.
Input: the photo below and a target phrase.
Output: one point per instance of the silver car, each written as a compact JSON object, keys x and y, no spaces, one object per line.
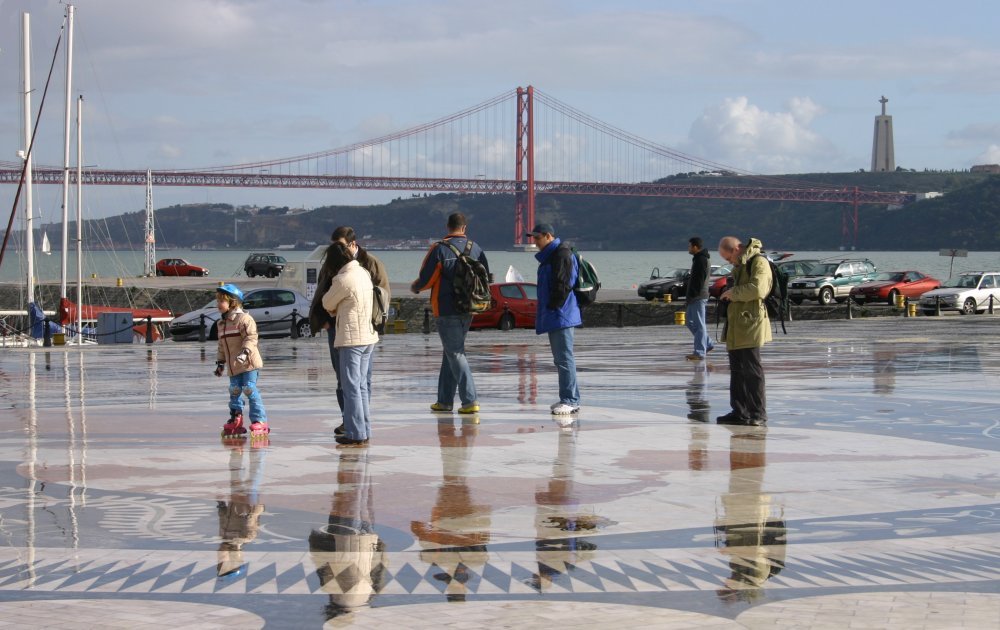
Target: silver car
{"x":271,"y":308}
{"x":968,"y":293}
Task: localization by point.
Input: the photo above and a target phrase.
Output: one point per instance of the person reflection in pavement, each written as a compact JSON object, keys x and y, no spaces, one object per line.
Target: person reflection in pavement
{"x":239,"y":516}
{"x":454,"y":539}
{"x":696,"y":394}
{"x":349,"y":555}
{"x":559,"y":519}
{"x":746,"y":532}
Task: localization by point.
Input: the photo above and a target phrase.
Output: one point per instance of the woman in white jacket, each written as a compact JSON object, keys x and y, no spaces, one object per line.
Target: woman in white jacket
{"x":350,"y":301}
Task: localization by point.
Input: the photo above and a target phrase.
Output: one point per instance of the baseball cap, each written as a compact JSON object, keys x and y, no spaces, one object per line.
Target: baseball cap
{"x":541,"y":228}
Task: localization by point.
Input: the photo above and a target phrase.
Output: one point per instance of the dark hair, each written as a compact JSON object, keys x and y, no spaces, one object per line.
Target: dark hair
{"x":697,"y":242}
{"x":345,"y":232}
{"x":337,"y":255}
{"x":456,"y":220}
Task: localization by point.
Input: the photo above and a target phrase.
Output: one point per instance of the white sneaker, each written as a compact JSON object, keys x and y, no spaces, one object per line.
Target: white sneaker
{"x":554,"y":405}
{"x":563,"y":409}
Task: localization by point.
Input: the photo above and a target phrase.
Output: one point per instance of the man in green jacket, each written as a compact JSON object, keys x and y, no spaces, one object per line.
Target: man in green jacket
{"x":747,"y":329}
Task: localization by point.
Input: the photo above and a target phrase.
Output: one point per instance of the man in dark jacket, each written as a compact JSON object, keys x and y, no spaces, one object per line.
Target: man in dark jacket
{"x":437,"y":273}
{"x":558,"y":313}
{"x":696,"y":296}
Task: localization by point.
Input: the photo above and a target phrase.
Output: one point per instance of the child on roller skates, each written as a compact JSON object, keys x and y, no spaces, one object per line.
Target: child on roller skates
{"x":238,"y":352}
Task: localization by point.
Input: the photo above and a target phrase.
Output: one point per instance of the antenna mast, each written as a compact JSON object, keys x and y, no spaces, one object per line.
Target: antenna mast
{"x":150,"y":267}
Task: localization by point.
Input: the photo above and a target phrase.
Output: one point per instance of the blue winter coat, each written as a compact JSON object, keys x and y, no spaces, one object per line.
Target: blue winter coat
{"x":557,"y":271}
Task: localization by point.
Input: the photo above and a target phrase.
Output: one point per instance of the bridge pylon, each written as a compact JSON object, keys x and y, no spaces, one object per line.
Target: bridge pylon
{"x":524,"y":168}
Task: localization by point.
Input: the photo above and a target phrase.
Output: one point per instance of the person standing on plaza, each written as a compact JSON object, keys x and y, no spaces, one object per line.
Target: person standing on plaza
{"x":350,"y":300}
{"x":437,"y":273}
{"x":747,"y":330}
{"x":319,"y":319}
{"x":696,"y":296}
{"x":558,"y":313}
{"x":239,"y":355}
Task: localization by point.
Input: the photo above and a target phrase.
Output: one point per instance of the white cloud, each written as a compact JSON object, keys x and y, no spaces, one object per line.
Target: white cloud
{"x":740,"y":134}
{"x":990,"y":156}
{"x":974,"y":135}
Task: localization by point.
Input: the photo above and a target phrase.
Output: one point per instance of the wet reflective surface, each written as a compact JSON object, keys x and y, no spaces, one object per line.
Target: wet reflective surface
{"x":870,"y":497}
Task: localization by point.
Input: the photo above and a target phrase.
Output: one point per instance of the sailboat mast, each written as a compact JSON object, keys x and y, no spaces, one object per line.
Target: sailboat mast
{"x":150,"y":268}
{"x":29,"y":220}
{"x":66,"y":138}
{"x":79,"y":221}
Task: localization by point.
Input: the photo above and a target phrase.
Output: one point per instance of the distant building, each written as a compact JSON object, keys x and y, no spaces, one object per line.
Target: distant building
{"x":883,"y":153}
{"x":986,"y":168}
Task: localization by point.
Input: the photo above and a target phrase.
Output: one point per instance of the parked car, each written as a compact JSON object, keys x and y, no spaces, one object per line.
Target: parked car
{"x":717,"y":281}
{"x":270,"y":308}
{"x":966,"y":293}
{"x":830,"y":281}
{"x":794,"y":269}
{"x":888,"y":284}
{"x":178,"y":267}
{"x":269,"y":265}
{"x":513,"y":305}
{"x":673,"y":284}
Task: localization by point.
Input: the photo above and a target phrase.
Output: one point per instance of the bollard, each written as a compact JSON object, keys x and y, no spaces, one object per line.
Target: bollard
{"x":295,"y":328}
{"x":937,"y":305}
{"x":119,"y":283}
{"x":149,"y":329}
{"x":850,"y":315}
{"x":899,"y":301}
{"x":679,"y":317}
{"x":667,"y":298}
{"x":990,"y":311}
{"x":905,"y":304}
{"x":201,"y":328}
{"x":46,"y":334}
{"x":911,"y":308}
{"x":621,"y":316}
{"x":427,"y":321}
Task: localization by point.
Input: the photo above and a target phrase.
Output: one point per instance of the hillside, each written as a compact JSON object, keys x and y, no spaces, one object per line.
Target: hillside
{"x":966,"y":216}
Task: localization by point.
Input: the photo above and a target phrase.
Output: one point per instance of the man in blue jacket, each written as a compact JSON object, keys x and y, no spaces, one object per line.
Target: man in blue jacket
{"x":558,"y":313}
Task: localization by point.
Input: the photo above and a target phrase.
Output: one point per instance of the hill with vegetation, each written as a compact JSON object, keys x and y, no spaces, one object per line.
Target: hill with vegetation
{"x":966,"y":216}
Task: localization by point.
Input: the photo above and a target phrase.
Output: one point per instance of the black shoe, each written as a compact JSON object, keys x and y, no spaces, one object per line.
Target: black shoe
{"x":732,"y":418}
{"x":346,"y":441}
{"x":340,"y":430}
{"x":757,"y":422}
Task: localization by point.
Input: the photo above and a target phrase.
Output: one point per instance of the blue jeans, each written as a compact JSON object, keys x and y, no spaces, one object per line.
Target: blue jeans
{"x":246,"y":384}
{"x":455,"y":374}
{"x":695,"y":313}
{"x":561,"y":342}
{"x":354,"y":365}
{"x":331,"y":333}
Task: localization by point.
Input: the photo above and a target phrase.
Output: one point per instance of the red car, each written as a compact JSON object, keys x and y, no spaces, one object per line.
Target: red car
{"x":513,"y":306}
{"x":178,"y":267}
{"x":888,"y":284}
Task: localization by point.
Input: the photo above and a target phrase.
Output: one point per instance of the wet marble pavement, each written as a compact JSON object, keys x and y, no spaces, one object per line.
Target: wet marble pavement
{"x":871,"y":499}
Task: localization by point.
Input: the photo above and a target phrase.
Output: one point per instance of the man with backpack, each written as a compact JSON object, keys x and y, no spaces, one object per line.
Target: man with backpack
{"x":695,"y":297}
{"x":558,"y":313}
{"x":449,"y":302}
{"x":747,"y":330}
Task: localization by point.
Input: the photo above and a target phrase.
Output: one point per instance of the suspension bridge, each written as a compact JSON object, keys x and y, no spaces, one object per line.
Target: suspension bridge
{"x":523,"y":142}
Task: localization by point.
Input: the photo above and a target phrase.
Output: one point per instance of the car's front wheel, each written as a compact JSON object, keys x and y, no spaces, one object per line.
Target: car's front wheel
{"x":826,"y":296}
{"x":305,"y":330}
{"x":159,"y":273}
{"x":506,"y":322}
{"x":892,"y":297}
{"x":969,"y":306}
{"x":251,"y":273}
{"x":271,"y":273}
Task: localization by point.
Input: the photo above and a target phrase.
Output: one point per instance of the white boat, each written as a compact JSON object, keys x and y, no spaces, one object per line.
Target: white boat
{"x":46,"y":246}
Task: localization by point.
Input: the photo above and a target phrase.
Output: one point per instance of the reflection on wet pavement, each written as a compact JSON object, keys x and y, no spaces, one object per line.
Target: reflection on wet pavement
{"x":874,"y":483}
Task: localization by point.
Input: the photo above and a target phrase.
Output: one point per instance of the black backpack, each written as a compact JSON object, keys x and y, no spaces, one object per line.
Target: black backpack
{"x":380,"y":308}
{"x":776,"y":300}
{"x":587,"y":281}
{"x":471,"y":282}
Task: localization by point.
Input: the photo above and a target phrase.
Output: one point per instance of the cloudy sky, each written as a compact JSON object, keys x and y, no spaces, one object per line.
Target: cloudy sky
{"x":769,"y":86}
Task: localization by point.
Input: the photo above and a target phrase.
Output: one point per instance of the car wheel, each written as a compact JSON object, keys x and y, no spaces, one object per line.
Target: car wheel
{"x":251,"y":273}
{"x":159,"y":273}
{"x":649,"y":298}
{"x":305,"y":330}
{"x":506,"y":322}
{"x":193,"y":273}
{"x":826,"y":296}
{"x":928,"y":313}
{"x":675,"y":294}
{"x":858,"y":299}
{"x":969,"y":307}
{"x":892,"y":297}
{"x":270,"y":273}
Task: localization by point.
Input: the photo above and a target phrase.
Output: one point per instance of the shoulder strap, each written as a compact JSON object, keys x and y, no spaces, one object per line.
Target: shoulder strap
{"x":468,"y":247}
{"x":451,"y":247}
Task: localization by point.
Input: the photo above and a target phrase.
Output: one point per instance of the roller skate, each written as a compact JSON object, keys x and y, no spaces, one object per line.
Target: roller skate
{"x":258,"y":434}
{"x":234,"y":428}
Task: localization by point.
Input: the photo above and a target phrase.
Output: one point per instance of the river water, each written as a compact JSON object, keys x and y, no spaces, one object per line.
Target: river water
{"x":618,"y":270}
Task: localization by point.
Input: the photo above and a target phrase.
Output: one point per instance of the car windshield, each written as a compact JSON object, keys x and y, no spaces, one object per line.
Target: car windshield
{"x":823,"y":269}
{"x":724,"y":270}
{"x":965,"y":281}
{"x":893,"y":276}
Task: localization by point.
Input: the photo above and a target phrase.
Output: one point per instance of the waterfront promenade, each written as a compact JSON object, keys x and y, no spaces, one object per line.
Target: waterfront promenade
{"x":871,"y":499}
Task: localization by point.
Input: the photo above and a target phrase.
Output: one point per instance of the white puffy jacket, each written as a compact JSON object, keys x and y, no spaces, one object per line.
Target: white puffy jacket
{"x":350,"y":301}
